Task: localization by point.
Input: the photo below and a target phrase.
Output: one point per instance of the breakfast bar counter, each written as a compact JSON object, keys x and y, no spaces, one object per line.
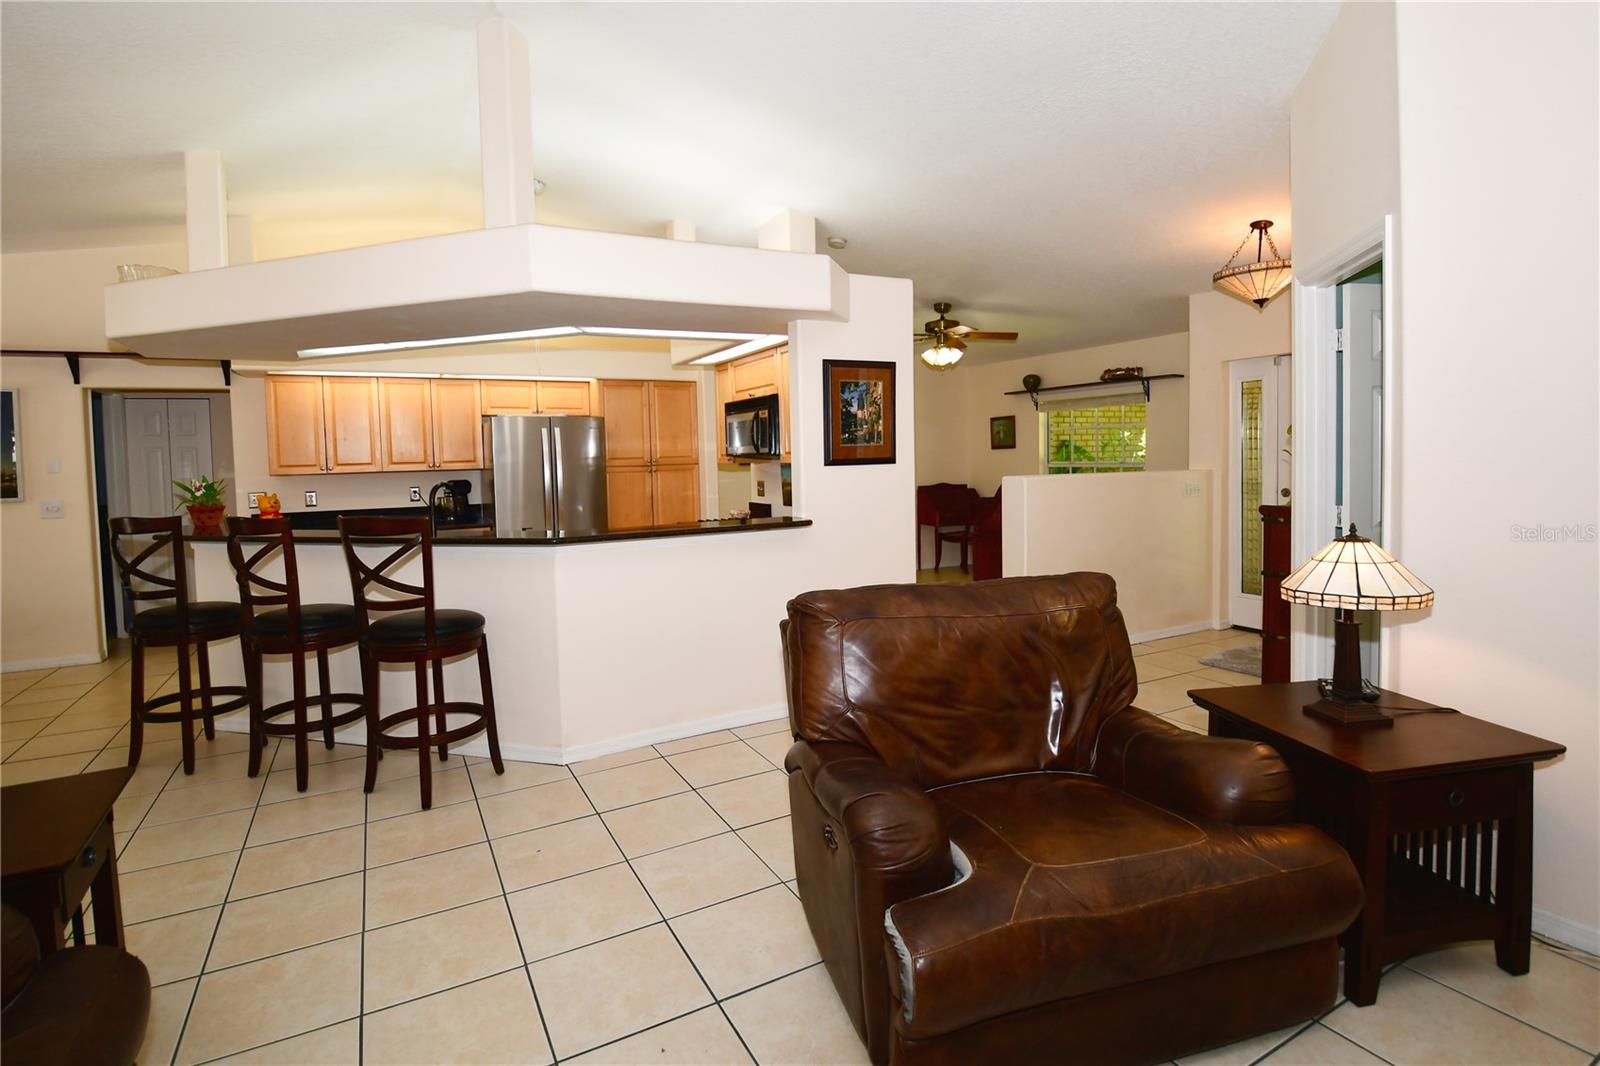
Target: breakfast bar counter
{"x":599,"y":642}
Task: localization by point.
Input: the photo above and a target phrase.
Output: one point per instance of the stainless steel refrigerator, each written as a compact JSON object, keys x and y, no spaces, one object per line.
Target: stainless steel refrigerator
{"x":545,"y":474}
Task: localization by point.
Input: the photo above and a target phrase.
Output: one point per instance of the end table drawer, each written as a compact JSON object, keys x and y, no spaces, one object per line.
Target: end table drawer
{"x":1454,"y":799}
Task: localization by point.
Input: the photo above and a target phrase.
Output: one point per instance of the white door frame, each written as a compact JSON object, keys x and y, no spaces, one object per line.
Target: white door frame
{"x":1315,"y":318}
{"x":1240,"y":608}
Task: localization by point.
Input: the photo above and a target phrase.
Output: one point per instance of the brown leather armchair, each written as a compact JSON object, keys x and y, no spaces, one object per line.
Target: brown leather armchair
{"x":1003,"y":860}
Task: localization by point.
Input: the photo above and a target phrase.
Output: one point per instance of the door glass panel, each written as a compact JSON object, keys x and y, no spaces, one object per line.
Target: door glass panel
{"x":1250,"y":487}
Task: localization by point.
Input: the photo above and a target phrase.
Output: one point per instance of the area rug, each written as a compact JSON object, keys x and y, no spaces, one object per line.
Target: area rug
{"x":1245,"y":660}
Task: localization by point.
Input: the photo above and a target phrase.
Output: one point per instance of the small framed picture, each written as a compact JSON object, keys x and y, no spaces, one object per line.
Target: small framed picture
{"x":859,"y":408}
{"x":1003,"y":432}
{"x":10,"y":447}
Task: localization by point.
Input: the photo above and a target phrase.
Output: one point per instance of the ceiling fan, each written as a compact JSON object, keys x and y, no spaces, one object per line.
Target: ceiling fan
{"x":947,"y":339}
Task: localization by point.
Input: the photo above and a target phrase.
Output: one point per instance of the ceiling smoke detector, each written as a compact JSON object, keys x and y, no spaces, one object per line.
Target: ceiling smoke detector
{"x":837,"y":243}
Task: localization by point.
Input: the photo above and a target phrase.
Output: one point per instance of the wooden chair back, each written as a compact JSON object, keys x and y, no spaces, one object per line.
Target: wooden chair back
{"x":255,"y":588}
{"x":141,"y":582}
{"x":372,"y":586}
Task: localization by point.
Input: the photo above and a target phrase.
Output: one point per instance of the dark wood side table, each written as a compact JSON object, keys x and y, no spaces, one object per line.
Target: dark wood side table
{"x":1436,"y":812}
{"x":56,"y":843}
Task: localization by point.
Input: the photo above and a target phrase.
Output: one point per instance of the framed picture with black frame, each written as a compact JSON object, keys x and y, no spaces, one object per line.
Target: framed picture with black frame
{"x":859,"y":408}
{"x":10,"y":446}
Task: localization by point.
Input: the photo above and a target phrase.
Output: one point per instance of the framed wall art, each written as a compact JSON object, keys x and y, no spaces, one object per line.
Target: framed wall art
{"x":1003,"y":432}
{"x":10,"y":446}
{"x":858,"y":403}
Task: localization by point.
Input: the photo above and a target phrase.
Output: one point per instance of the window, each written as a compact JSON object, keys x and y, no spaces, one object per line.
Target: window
{"x":1095,"y":440}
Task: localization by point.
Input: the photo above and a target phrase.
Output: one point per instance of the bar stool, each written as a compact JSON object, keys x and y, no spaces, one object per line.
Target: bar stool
{"x":291,"y":628}
{"x":418,"y":633}
{"x":180,"y":624}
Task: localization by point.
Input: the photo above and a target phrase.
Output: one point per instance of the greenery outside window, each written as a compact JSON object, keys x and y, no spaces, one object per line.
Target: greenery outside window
{"x":1095,"y":440}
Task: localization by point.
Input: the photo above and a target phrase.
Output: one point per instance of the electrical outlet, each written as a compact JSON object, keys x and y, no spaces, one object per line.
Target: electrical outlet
{"x":255,"y":501}
{"x":311,"y":499}
{"x":761,"y":487}
{"x":52,"y":509}
{"x":416,"y":493}
{"x":1191,"y":488}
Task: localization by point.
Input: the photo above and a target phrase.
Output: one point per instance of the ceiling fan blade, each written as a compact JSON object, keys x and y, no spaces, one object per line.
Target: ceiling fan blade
{"x":977,"y":335}
{"x":922,"y":336}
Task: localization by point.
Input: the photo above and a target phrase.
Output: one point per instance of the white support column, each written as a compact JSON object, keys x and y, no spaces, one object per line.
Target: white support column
{"x":680,"y":229}
{"x":206,"y":209}
{"x":789,"y":231}
{"x":505,"y":124}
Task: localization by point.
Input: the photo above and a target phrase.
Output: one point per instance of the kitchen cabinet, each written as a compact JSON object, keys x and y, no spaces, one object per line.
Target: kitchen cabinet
{"x":431,"y":424}
{"x":350,"y":415}
{"x":510,"y":397}
{"x":762,"y":374}
{"x":457,"y":408}
{"x":563,"y":397}
{"x":652,"y":452}
{"x":295,"y":435}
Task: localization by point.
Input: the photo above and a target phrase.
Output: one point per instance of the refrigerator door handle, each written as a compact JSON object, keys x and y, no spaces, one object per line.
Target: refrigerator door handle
{"x":549,"y":476}
{"x":553,"y":492}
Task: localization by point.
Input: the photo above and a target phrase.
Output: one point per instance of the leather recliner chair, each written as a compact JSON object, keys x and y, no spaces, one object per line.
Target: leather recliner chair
{"x":1003,"y":860}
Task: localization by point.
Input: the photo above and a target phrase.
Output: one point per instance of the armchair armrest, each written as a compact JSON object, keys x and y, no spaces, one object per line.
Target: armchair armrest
{"x":1216,"y":778}
{"x":890,"y":825}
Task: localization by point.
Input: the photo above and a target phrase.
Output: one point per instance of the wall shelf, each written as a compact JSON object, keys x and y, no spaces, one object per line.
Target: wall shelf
{"x":1144,"y":383}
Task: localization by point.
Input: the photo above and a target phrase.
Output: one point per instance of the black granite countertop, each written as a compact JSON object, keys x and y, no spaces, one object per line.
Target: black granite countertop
{"x":450,"y":535}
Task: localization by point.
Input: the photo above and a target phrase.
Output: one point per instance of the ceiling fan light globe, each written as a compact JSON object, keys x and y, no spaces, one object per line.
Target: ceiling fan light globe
{"x":940,"y":356}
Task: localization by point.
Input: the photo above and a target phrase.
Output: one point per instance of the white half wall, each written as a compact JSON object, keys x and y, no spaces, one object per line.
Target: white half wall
{"x":1147,"y":530}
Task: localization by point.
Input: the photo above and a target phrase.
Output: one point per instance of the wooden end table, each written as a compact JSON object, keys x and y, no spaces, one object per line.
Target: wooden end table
{"x":1436,"y":812}
{"x":56,"y":843}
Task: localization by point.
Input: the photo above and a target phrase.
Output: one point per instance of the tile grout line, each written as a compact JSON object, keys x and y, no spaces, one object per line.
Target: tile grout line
{"x":505,"y":900}
{"x":670,"y":932}
{"x":1505,"y":1013}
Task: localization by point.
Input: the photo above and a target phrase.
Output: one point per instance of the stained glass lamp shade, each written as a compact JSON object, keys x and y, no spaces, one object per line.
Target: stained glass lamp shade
{"x":1255,"y":283}
{"x":1353,"y":574}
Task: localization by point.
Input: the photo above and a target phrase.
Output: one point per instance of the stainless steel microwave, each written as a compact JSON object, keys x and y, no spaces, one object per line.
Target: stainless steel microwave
{"x":750,"y":428}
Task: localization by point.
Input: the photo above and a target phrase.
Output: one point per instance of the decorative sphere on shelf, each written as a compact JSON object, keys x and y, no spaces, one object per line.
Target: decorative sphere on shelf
{"x":1031,"y":382}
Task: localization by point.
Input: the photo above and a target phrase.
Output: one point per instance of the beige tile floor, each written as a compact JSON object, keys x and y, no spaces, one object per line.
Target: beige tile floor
{"x":638,"y":908}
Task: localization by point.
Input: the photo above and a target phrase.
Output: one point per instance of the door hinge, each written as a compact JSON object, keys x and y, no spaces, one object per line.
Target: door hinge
{"x":1339,"y":339}
{"x":1338,"y":516}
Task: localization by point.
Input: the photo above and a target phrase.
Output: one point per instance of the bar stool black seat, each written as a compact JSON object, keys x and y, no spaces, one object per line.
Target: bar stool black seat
{"x":291,"y":629}
{"x":417,"y":632}
{"x":181,"y":623}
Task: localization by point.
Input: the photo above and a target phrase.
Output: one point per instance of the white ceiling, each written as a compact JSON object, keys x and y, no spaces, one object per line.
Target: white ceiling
{"x":1071,"y":171}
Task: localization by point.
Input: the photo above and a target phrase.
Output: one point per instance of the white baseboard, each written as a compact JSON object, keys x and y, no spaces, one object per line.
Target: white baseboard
{"x":357,"y":734}
{"x":83,"y":659}
{"x":1566,"y":931}
{"x":1171,"y":631}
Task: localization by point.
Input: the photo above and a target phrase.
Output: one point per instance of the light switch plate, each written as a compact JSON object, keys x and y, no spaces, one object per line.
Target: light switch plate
{"x":53,"y":465}
{"x":416,"y":493}
{"x":761,"y":487}
{"x":1191,"y":488}
{"x":52,"y":509}
{"x":255,"y":501}
{"x":311,"y":499}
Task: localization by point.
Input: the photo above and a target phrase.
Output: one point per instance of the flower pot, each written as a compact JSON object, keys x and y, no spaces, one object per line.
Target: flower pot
{"x":207,"y":518}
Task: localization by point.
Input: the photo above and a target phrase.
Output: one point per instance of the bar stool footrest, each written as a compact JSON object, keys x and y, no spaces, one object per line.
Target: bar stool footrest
{"x":449,"y":736}
{"x":239,"y":697}
{"x":313,"y":714}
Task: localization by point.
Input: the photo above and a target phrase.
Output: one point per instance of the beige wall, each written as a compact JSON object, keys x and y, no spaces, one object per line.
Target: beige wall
{"x":1222,"y":329}
{"x":57,"y":299}
{"x":1513,"y":634}
{"x":1147,"y":530}
{"x":1344,"y":155}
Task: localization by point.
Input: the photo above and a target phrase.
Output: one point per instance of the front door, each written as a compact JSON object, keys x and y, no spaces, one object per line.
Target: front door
{"x":1257,"y":473}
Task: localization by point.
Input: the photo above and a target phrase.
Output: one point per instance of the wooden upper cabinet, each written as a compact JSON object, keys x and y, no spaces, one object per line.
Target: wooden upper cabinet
{"x":755,"y":375}
{"x":563,"y":397}
{"x":674,"y":422}
{"x":407,"y":423}
{"x":350,"y":410}
{"x":295,"y":442}
{"x":457,"y":409}
{"x":513,"y":398}
{"x":625,"y":405}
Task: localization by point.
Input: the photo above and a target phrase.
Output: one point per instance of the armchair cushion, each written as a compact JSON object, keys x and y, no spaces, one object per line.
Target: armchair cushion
{"x":1078,"y":886}
{"x":1217,"y":778}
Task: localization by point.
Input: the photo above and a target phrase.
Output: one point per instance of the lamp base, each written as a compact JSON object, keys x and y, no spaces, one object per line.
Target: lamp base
{"x":1348,"y":712}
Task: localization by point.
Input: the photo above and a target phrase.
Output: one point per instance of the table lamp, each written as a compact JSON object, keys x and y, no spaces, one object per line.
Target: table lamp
{"x":1353,"y":574}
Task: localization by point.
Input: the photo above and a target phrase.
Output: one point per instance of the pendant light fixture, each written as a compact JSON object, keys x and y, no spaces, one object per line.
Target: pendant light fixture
{"x":1256,"y":283}
{"x":942,"y":353}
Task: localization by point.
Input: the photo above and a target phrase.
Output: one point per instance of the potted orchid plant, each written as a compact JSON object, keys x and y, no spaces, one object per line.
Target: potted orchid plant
{"x":203,"y":498}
